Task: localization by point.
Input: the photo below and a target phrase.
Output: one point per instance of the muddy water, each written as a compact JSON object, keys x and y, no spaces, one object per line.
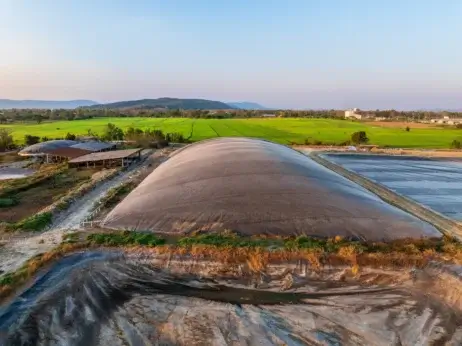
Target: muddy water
{"x":433,"y":183}
{"x":108,"y":299}
{"x":15,"y":173}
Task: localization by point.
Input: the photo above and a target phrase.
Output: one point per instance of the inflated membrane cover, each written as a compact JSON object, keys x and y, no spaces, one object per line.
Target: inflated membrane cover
{"x":257,"y":187}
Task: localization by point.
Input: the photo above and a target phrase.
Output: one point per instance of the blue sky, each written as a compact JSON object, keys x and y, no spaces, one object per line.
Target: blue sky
{"x":403,"y":54}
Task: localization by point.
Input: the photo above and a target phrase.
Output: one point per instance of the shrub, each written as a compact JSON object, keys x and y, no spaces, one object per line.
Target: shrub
{"x":112,"y":133}
{"x":44,"y":139}
{"x":359,"y":137}
{"x":30,"y":140}
{"x":70,"y":136}
{"x":6,"y":139}
{"x":456,"y":144}
{"x":36,"y":222}
{"x":175,"y":137}
{"x":6,"y":202}
{"x":408,"y":129}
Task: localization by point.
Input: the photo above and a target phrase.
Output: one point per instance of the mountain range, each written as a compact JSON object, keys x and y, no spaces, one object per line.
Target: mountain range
{"x":247,"y":105}
{"x":167,"y":103}
{"x":40,"y":104}
{"x":160,"y":103}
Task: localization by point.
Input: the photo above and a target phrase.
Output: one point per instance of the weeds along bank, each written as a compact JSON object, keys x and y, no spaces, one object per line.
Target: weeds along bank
{"x":284,"y":131}
{"x":129,"y":286}
{"x":254,"y":253}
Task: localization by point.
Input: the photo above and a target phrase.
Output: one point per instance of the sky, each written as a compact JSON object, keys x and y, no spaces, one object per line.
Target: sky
{"x":306,"y":54}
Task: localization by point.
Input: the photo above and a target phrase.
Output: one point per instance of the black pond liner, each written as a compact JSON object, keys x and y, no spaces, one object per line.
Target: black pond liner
{"x":103,"y":298}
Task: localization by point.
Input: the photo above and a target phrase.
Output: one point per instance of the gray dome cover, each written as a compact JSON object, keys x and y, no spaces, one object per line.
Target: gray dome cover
{"x":41,"y":148}
{"x":253,"y":187}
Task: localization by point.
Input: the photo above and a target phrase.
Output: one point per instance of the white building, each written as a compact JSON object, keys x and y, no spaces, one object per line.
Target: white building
{"x":446,"y":120}
{"x":353,"y":114}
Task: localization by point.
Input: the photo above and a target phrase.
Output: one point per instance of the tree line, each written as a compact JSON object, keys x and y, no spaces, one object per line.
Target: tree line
{"x":142,"y":138}
{"x":40,"y":115}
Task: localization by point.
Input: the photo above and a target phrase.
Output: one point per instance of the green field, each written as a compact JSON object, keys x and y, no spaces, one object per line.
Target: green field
{"x":284,"y":131}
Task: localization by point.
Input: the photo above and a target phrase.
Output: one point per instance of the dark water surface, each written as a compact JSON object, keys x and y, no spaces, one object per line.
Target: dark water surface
{"x":434,"y":183}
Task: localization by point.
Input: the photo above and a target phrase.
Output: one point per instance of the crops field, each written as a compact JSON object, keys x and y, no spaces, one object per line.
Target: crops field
{"x":284,"y":131}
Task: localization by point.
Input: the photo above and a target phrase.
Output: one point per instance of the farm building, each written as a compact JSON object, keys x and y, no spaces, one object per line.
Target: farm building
{"x":253,"y":187}
{"x":63,"y":150}
{"x":107,"y":158}
{"x":353,"y":114}
{"x":64,"y":154}
{"x":40,"y":149}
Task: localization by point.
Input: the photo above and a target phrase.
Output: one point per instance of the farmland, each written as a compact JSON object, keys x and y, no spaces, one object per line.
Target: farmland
{"x":284,"y":131}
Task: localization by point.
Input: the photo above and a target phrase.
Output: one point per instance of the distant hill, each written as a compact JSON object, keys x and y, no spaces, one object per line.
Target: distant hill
{"x":167,"y":103}
{"x":247,"y":105}
{"x":40,"y":104}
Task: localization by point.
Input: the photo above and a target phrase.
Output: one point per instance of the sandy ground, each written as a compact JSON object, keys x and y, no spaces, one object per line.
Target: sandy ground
{"x":17,"y":249}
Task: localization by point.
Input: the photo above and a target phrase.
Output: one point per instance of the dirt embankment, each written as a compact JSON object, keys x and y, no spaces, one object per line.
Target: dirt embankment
{"x":435,"y":153}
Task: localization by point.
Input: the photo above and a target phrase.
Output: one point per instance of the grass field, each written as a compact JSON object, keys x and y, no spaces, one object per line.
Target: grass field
{"x":284,"y":131}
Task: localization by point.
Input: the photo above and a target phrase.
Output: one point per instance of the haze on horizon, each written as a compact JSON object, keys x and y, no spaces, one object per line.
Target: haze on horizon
{"x":293,"y":54}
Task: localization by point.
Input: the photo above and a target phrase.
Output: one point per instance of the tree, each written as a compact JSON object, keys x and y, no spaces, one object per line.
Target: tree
{"x":359,"y":137}
{"x":38,"y":118}
{"x":175,"y":137}
{"x":45,"y":139}
{"x":133,"y":134}
{"x":30,"y":140}
{"x":70,"y":136}
{"x":456,"y":144}
{"x":6,"y":139}
{"x":112,"y":133}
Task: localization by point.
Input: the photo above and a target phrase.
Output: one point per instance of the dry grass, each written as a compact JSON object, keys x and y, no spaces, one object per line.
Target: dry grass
{"x":399,"y":254}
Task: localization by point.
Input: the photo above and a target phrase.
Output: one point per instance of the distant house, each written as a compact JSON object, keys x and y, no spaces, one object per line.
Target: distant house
{"x":268,"y":115}
{"x":446,"y":120}
{"x":353,"y":114}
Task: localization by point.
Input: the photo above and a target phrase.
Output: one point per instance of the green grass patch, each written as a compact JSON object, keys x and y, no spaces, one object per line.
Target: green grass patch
{"x":37,"y":222}
{"x":280,"y":130}
{"x":125,"y":238}
{"x":70,"y":238}
{"x":227,"y":240}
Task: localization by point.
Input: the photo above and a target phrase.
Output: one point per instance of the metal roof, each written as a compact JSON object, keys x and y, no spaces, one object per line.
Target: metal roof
{"x":70,"y":152}
{"x":107,"y":155}
{"x":93,"y":146}
{"x":40,"y":148}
